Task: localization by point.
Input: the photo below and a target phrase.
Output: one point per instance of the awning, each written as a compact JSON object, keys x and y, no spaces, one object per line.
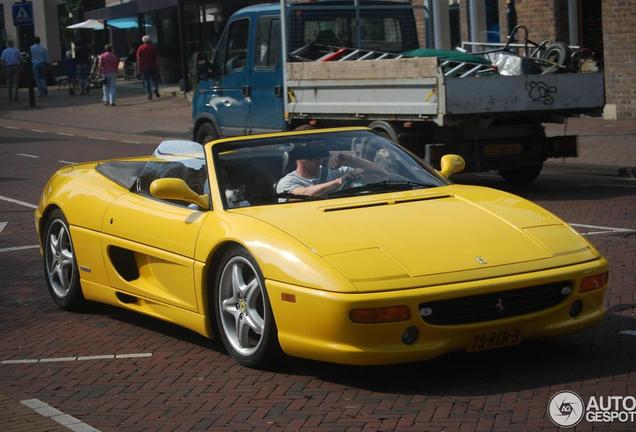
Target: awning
{"x":89,"y":24}
{"x":124,"y":23}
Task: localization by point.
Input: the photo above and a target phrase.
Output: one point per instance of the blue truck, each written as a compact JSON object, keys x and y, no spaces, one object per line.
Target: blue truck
{"x":345,"y":63}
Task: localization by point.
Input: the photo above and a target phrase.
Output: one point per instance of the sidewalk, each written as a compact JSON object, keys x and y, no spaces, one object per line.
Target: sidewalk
{"x":167,"y":117}
{"x":605,"y":147}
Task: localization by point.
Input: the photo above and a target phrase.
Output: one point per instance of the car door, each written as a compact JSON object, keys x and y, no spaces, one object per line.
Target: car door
{"x":266,"y":81}
{"x":149,"y":244}
{"x":228,"y":98}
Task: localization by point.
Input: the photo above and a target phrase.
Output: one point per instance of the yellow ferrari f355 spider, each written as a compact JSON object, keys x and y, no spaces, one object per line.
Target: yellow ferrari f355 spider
{"x":334,"y":244}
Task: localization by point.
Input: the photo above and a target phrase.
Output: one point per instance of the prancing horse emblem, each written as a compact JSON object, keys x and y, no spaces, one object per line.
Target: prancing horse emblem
{"x":499,"y":306}
{"x":481,"y":261}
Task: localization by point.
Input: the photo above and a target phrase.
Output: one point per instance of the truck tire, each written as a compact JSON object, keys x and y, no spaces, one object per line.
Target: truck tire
{"x":522,"y":175}
{"x":206,"y":133}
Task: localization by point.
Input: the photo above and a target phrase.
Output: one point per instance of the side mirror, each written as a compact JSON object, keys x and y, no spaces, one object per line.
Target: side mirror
{"x":177,"y":189}
{"x":452,"y":164}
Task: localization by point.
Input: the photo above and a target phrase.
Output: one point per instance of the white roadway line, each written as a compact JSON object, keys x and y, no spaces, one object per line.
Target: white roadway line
{"x":18,"y":248}
{"x":12,"y":127}
{"x":64,"y":134}
{"x":3,"y":225}
{"x":131,"y":142}
{"x":37,"y":130}
{"x":15,"y":201}
{"x":77,"y":358}
{"x":62,"y":161}
{"x":628,"y":332}
{"x":613,"y":229}
{"x":27,"y":155}
{"x":98,"y":138}
{"x":58,"y":416}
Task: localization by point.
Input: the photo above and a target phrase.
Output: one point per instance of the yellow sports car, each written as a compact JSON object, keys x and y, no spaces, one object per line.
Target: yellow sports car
{"x":334,"y":244}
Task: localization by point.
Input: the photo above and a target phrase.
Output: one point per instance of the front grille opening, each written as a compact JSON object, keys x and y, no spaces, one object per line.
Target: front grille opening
{"x":493,"y":306}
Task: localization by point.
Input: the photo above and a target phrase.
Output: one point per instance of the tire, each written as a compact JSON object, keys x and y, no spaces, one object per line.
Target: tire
{"x":304,"y":127}
{"x":60,"y":266}
{"x":522,"y":175}
{"x":558,"y":53}
{"x":206,"y":133}
{"x":242,"y":308}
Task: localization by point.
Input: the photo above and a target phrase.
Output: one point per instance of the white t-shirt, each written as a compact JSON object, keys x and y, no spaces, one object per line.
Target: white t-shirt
{"x":292,"y":180}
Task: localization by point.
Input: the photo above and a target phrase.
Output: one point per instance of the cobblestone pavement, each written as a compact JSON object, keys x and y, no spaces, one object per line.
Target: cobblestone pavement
{"x":117,"y":371}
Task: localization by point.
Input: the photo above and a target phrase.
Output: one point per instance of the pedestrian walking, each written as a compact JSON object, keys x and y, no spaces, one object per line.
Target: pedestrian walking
{"x":83,"y":67}
{"x":10,"y":58}
{"x":70,"y":69}
{"x":39,"y":60}
{"x":108,"y":65}
{"x":148,"y":66}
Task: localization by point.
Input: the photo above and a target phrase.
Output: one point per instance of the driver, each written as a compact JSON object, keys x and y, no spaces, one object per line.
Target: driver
{"x":312,"y":179}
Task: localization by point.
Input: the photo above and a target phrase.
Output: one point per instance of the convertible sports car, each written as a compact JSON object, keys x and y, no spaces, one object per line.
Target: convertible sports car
{"x":334,"y":244}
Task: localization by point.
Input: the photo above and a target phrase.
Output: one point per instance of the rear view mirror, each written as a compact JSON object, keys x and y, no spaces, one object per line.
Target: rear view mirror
{"x":452,"y":164}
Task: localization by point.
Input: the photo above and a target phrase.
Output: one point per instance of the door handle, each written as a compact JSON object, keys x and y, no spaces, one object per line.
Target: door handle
{"x":247,"y":90}
{"x":278,"y":90}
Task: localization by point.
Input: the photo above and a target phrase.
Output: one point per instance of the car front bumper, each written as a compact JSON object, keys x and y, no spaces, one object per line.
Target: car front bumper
{"x":315,"y":324}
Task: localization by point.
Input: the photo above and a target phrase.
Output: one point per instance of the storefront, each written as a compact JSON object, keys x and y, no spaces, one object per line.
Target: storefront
{"x":179,"y":28}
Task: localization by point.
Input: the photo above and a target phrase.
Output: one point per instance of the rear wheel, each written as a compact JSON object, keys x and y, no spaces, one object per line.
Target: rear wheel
{"x":242,"y":309}
{"x":206,"y":133}
{"x":60,"y":266}
{"x":522,"y":175}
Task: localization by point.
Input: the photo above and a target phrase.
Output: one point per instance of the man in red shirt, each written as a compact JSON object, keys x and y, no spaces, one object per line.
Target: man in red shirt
{"x":148,"y":66}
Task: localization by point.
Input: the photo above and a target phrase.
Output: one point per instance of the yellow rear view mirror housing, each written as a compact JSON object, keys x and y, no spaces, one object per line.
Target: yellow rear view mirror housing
{"x":452,"y":164}
{"x":177,"y":189}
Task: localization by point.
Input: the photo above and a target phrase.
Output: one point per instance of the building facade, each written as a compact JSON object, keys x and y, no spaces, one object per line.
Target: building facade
{"x":46,"y":25}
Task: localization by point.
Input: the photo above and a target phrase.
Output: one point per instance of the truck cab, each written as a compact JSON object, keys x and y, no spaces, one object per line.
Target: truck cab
{"x":243,"y":93}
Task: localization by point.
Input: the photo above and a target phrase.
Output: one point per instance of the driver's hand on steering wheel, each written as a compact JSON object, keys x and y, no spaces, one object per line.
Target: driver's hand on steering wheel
{"x":353,"y":174}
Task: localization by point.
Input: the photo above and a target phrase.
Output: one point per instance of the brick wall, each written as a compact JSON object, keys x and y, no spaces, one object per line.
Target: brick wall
{"x":539,"y":17}
{"x":619,"y":40}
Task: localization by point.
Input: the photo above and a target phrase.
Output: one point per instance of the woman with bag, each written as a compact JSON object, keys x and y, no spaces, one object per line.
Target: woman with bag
{"x":108,"y":65}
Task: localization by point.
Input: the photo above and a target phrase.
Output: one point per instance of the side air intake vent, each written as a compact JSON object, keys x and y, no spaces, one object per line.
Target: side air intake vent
{"x":124,"y":262}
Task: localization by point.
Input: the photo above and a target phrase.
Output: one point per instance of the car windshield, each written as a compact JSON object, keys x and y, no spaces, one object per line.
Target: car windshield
{"x":324,"y":165}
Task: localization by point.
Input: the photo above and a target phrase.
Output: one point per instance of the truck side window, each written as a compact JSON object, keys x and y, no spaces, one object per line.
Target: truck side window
{"x":234,"y":48}
{"x":268,"y":42}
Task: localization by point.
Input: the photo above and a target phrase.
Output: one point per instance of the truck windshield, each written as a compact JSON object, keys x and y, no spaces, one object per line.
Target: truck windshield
{"x":321,"y":165}
{"x":371,"y":26}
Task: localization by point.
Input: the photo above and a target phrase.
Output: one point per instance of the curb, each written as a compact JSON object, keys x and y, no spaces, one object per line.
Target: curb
{"x":600,"y":170}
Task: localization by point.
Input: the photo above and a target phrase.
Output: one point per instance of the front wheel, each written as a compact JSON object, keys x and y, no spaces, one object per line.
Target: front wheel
{"x":60,"y":265}
{"x":242,"y":310}
{"x":522,"y":175}
{"x":206,"y":133}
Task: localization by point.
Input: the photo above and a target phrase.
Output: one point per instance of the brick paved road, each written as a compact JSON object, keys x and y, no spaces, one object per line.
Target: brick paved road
{"x":189,"y":383}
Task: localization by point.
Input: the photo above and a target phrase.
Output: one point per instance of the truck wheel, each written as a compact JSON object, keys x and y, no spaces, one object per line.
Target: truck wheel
{"x":522,"y":175}
{"x":206,"y":133}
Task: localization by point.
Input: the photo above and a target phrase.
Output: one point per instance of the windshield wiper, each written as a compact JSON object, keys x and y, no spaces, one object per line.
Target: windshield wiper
{"x":287,"y":195}
{"x":388,"y":185}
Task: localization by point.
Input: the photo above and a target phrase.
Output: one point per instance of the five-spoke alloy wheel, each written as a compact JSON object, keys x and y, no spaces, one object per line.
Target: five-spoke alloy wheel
{"x":60,"y":266}
{"x":242,"y":310}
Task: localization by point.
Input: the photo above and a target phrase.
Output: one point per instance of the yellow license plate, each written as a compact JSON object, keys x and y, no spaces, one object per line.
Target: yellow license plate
{"x":502,"y":149}
{"x":494,"y":339}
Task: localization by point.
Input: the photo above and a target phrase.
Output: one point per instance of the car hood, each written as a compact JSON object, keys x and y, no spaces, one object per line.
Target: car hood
{"x":413,"y":237}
